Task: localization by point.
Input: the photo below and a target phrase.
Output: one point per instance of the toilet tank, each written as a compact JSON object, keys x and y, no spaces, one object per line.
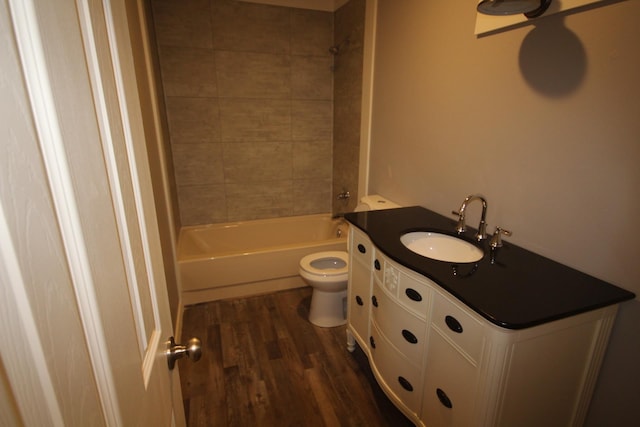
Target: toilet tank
{"x":375,"y":202}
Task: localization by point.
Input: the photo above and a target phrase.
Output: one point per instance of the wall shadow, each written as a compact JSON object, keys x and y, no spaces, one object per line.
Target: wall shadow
{"x":552,"y":59}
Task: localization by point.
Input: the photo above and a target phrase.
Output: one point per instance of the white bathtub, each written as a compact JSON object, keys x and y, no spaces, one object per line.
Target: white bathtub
{"x":236,"y":259}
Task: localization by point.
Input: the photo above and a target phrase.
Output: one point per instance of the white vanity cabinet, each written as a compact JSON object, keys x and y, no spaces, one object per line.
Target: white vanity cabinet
{"x":444,"y":365}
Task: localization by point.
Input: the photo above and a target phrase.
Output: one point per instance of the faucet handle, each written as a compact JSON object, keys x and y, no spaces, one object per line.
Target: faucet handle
{"x":496,"y":240}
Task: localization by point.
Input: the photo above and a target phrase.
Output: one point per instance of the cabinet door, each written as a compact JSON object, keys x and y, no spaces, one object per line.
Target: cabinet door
{"x":450,"y":385}
{"x":359,"y":301}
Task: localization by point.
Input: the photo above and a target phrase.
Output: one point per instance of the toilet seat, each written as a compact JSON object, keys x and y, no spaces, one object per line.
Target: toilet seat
{"x":335,"y":263}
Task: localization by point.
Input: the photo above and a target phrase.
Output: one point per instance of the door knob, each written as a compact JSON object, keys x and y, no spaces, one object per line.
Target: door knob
{"x":193,"y":350}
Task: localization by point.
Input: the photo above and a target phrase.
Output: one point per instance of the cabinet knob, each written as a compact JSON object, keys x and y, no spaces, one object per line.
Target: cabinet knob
{"x":413,"y":294}
{"x":359,"y":300}
{"x":374,"y":301}
{"x":376,"y":265}
{"x":453,"y":324}
{"x":405,"y":384}
{"x":362,"y":249}
{"x":444,"y":399}
{"x":409,"y":336}
{"x":372,"y":342}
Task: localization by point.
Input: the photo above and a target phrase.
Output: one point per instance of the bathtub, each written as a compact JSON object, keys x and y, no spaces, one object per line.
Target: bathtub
{"x":237,"y":259}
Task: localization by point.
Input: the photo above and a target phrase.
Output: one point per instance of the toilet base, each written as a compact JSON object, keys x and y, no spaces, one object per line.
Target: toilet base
{"x":328,"y":309}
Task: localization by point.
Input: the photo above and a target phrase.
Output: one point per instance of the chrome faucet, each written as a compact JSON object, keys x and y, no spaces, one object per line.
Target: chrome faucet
{"x":482,"y":228}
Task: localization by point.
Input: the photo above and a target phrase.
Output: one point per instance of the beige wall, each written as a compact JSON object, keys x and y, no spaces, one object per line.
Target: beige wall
{"x":249,"y":102}
{"x":544,"y":121}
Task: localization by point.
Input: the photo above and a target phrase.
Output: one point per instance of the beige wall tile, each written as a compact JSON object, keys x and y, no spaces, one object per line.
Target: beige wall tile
{"x":188,"y":71}
{"x":311,"y":120}
{"x":312,"y":77}
{"x":246,"y":120}
{"x":311,"y":32}
{"x":312,"y":160}
{"x":311,"y":196}
{"x":346,"y":125}
{"x":349,"y":22}
{"x":348,"y":76}
{"x":202,"y":204}
{"x":184,"y":23}
{"x":257,"y":162}
{"x":193,"y":120}
{"x":253,"y":75}
{"x":259,"y":200}
{"x":198,"y":164}
{"x":250,"y":27}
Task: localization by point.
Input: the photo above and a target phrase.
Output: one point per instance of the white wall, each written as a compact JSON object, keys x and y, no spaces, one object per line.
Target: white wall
{"x":544,"y":120}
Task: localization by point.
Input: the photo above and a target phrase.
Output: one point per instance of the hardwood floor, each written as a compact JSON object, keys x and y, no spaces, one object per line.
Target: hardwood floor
{"x":264,"y":364}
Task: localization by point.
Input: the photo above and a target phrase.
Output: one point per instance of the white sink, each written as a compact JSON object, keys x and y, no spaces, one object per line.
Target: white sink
{"x":441,"y":247}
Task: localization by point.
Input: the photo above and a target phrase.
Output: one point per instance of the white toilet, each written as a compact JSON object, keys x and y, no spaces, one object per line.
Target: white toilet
{"x":327,"y":274}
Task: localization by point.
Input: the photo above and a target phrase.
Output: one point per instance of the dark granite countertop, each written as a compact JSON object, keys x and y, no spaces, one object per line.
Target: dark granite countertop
{"x":519,"y":289}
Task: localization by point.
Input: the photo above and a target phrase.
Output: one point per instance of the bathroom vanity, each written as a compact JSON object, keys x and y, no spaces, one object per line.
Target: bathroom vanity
{"x":514,"y":339}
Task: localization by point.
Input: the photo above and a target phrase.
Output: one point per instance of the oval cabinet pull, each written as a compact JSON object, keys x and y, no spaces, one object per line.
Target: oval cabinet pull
{"x":374,"y":301}
{"x":359,"y":300}
{"x":405,"y":384}
{"x":413,"y":294}
{"x":362,"y":249}
{"x":409,"y":336}
{"x":372,"y":342}
{"x":453,"y":324}
{"x":376,"y":265}
{"x":444,"y":399}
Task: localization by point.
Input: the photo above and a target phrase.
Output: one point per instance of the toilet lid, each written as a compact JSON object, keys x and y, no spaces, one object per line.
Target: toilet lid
{"x":330,"y":263}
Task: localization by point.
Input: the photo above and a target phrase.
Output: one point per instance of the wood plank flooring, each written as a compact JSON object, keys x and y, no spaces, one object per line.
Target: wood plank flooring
{"x":264,"y":364}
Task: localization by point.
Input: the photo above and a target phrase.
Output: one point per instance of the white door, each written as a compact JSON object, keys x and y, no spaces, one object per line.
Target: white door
{"x":84,"y":303}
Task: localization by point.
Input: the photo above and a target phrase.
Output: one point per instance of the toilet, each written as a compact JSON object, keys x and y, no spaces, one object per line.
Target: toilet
{"x":327,"y":273}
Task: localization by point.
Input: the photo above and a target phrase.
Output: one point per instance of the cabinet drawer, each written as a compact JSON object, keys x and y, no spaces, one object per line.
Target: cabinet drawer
{"x":361,"y":248}
{"x":398,"y":375}
{"x":405,"y":331}
{"x":460,"y":327}
{"x":412,"y":292}
{"x":359,"y":300}
{"x":449,"y":386}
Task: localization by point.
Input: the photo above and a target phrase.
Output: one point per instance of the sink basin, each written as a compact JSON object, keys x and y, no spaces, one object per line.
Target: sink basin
{"x":441,"y":247}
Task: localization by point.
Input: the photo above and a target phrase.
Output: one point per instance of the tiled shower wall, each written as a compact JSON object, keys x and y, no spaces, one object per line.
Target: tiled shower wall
{"x":349,"y":38}
{"x":249,"y":92}
{"x":249,"y":97}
